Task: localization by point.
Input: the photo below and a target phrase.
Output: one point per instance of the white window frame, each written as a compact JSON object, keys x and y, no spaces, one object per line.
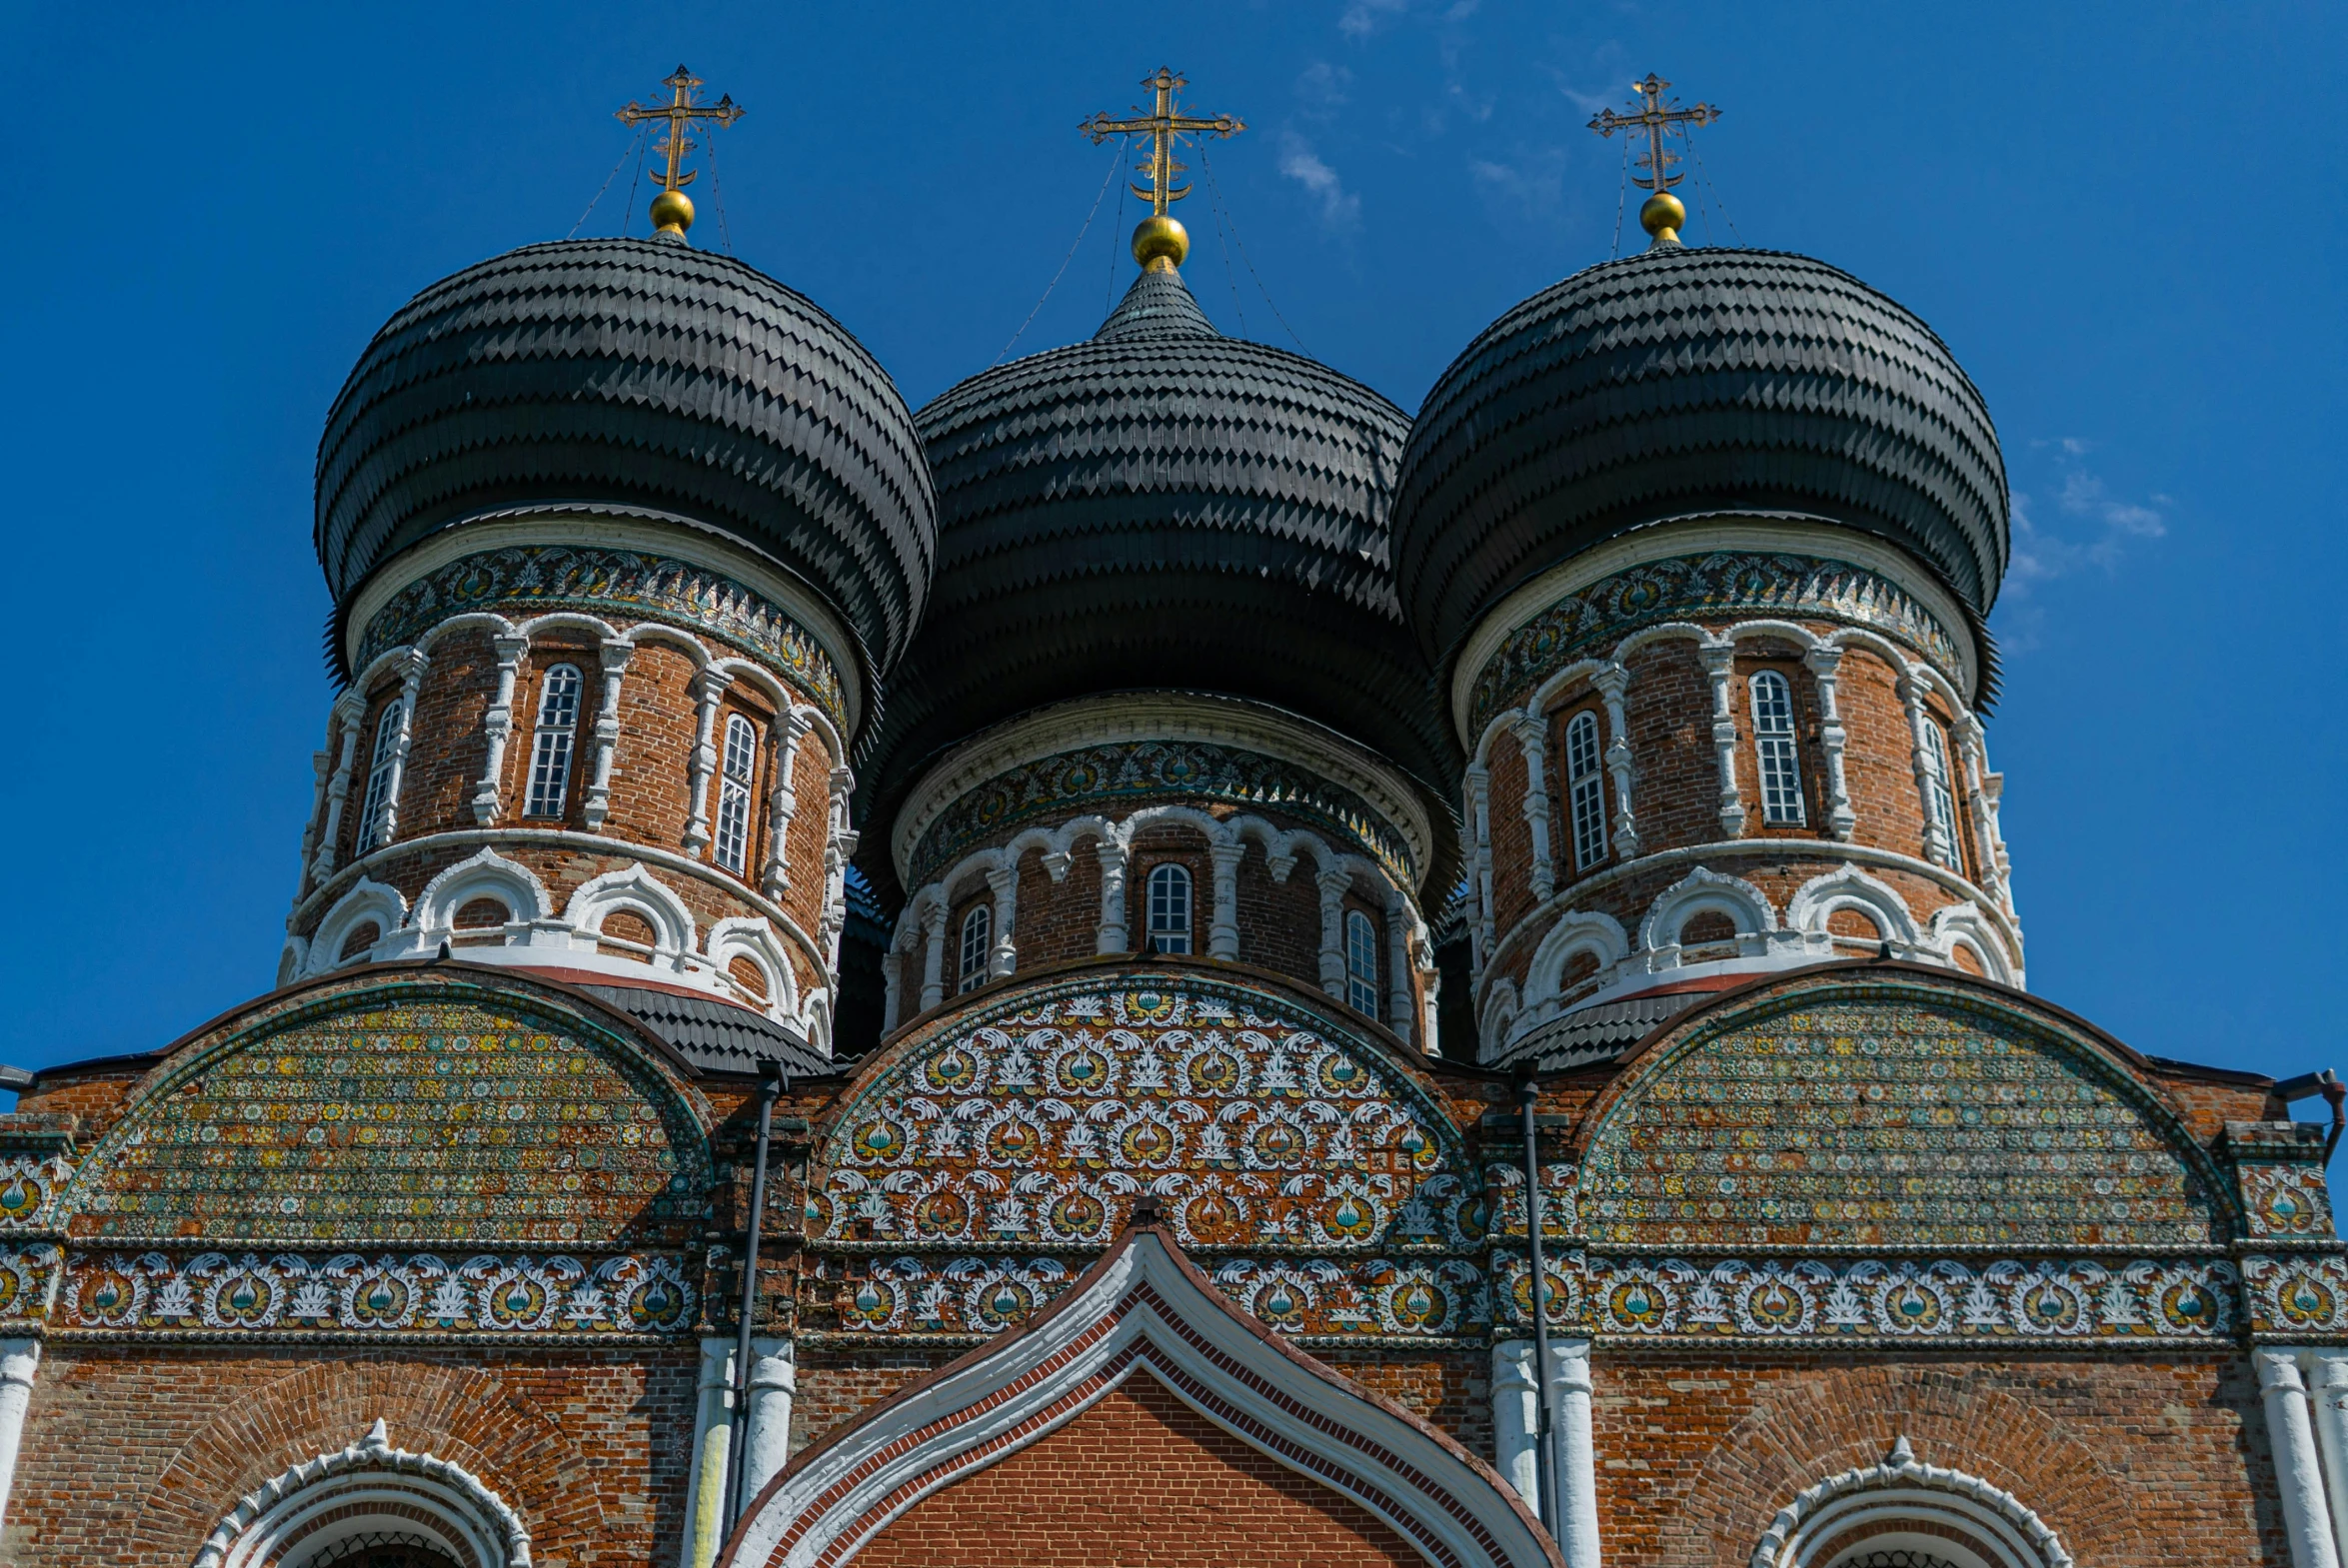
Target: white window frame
{"x":978,"y":932}
{"x":734,"y":776}
{"x":1777,"y":749}
{"x":1169,"y":928}
{"x":380,"y":765}
{"x":1360,"y":962}
{"x":1939,"y":798}
{"x":554,"y":741}
{"x":1585,"y":789}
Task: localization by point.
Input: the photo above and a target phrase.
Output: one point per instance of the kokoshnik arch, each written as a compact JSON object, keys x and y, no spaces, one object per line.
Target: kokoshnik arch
{"x":970,"y":983}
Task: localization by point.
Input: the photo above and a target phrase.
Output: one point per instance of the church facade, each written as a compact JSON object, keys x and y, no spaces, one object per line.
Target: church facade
{"x":1161,"y":961}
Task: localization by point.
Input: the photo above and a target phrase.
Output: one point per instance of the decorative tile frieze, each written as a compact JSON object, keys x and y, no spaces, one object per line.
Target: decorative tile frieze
{"x":2301,"y":1294}
{"x":623,"y":583}
{"x":26,"y":1272}
{"x":1111,"y":775}
{"x":29,"y":1184}
{"x":2283,"y":1201}
{"x":500,"y":1293}
{"x":1740,"y":583}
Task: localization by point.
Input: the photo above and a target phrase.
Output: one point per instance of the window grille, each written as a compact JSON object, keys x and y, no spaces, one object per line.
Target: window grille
{"x":977,"y":926}
{"x":1170,"y":910}
{"x":1937,"y":790}
{"x":1360,"y":962}
{"x":742,"y":752}
{"x":1773,"y":748}
{"x":1585,"y":790}
{"x":550,"y":754}
{"x":379,"y":777}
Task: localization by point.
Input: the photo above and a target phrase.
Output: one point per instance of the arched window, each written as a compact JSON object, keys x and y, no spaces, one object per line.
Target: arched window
{"x":1360,"y":962}
{"x":379,"y":777}
{"x":742,"y":756}
{"x":550,"y":754}
{"x":1937,"y":797}
{"x":1169,"y":909}
{"x":977,"y":926}
{"x":1774,"y":748}
{"x":1585,"y":790}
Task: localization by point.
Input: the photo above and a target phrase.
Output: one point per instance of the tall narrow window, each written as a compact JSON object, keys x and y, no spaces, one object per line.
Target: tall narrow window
{"x":1360,"y":962}
{"x":1937,"y":790}
{"x":742,"y":756}
{"x":549,"y":753}
{"x":379,"y":775}
{"x":975,"y":927}
{"x":1170,"y":910}
{"x":1585,"y":790}
{"x":1774,"y":748}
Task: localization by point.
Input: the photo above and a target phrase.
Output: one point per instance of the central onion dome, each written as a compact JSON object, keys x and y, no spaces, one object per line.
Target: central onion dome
{"x":646,"y":376}
{"x":1159,"y":507}
{"x":1679,"y":382}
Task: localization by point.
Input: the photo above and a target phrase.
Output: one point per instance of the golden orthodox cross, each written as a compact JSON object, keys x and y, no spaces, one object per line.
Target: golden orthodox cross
{"x":682,"y":113}
{"x":1656,"y":118}
{"x":1165,"y":127}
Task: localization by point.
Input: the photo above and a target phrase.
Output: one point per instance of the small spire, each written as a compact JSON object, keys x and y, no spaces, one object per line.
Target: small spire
{"x":1161,"y":243}
{"x":1662,"y":215}
{"x":672,"y":210}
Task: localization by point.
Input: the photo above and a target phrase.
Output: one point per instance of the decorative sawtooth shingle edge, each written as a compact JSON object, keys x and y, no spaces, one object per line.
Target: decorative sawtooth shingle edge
{"x":642,"y":372}
{"x":1161,"y":506}
{"x":1689,"y":382}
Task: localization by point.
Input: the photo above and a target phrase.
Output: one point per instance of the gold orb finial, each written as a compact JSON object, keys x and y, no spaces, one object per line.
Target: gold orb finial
{"x":1161,"y":243}
{"x":1662,"y":215}
{"x":672,"y":212}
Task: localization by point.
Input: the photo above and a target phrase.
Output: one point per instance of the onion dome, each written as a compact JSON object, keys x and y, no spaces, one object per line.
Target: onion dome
{"x":643,"y":374}
{"x":1683,"y":382}
{"x":1161,"y":506}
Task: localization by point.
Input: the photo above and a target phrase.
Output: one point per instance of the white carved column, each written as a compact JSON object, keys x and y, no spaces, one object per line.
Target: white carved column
{"x":1533,"y":739}
{"x":1936,"y":844}
{"x":1573,"y":1451}
{"x":2330,"y":1401}
{"x":765,"y":1438}
{"x":387,"y":817}
{"x":350,"y":710}
{"x":596,"y":804}
{"x":497,"y":725}
{"x":933,"y":953}
{"x":791,"y":727}
{"x":2299,"y":1482}
{"x":708,"y":686}
{"x":1112,"y":936}
{"x":892,"y":986}
{"x":1398,"y":1005}
{"x":1721,"y":664}
{"x":713,"y":1437}
{"x":1430,"y":993}
{"x":838,"y":849}
{"x":1840,"y":817}
{"x":1333,"y":886}
{"x":321,"y":768}
{"x":1479,"y":862}
{"x":1983,"y":789}
{"x":1613,"y":682}
{"x":1223,"y":931}
{"x":1003,"y":883}
{"x":1517,"y":1420}
{"x":19,"y":1360}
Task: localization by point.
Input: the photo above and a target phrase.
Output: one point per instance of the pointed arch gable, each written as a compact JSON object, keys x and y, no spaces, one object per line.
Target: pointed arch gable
{"x":1143,"y":1309}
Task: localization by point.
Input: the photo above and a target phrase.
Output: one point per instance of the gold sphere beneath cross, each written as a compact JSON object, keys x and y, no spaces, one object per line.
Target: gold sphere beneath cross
{"x":672,"y":212}
{"x":1161,"y":243}
{"x":1662,"y":215}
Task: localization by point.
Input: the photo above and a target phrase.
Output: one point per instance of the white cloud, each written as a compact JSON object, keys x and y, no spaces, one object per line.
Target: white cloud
{"x":1340,"y":209}
{"x":1532,"y":183}
{"x":1360,"y":18}
{"x":1322,"y":89}
{"x":2099,"y":530}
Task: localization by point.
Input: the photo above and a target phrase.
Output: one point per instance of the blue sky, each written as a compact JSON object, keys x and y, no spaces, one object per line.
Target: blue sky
{"x":2126,"y":220}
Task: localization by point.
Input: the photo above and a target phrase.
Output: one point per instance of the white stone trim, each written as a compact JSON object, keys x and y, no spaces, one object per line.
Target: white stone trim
{"x":2299,"y":1481}
{"x":496,"y":726}
{"x":615,"y":654}
{"x":461,"y":1516}
{"x":1699,"y":537}
{"x":1577,"y":931}
{"x":708,"y":688}
{"x":2327,"y":1371}
{"x":1964,"y":925}
{"x":433,"y":919}
{"x":367,"y":901}
{"x":1613,"y":682}
{"x":1704,"y":890}
{"x":20,"y":1361}
{"x":1160,"y":715}
{"x":636,"y":890}
{"x":1901,"y":1489}
{"x":1532,"y":731}
{"x":413,"y":661}
{"x":1848,"y":888}
{"x":1841,"y":818}
{"x":789,"y":728}
{"x":1142,"y":1313}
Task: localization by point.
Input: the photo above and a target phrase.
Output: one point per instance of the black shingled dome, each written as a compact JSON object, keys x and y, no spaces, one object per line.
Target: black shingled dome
{"x":1159,"y":506}
{"x":647,"y":375}
{"x":1683,"y":382}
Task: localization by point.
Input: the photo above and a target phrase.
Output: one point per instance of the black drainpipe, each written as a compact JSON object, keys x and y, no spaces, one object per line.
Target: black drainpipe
{"x":1544,"y":1471}
{"x":770,"y":1085}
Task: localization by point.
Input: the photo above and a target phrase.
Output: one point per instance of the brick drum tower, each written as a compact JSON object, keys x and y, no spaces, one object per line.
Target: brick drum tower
{"x":1161,"y":961}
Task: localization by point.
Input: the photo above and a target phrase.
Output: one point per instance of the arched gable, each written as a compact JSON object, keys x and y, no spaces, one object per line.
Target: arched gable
{"x":989,"y":1154}
{"x":1873,"y":1105}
